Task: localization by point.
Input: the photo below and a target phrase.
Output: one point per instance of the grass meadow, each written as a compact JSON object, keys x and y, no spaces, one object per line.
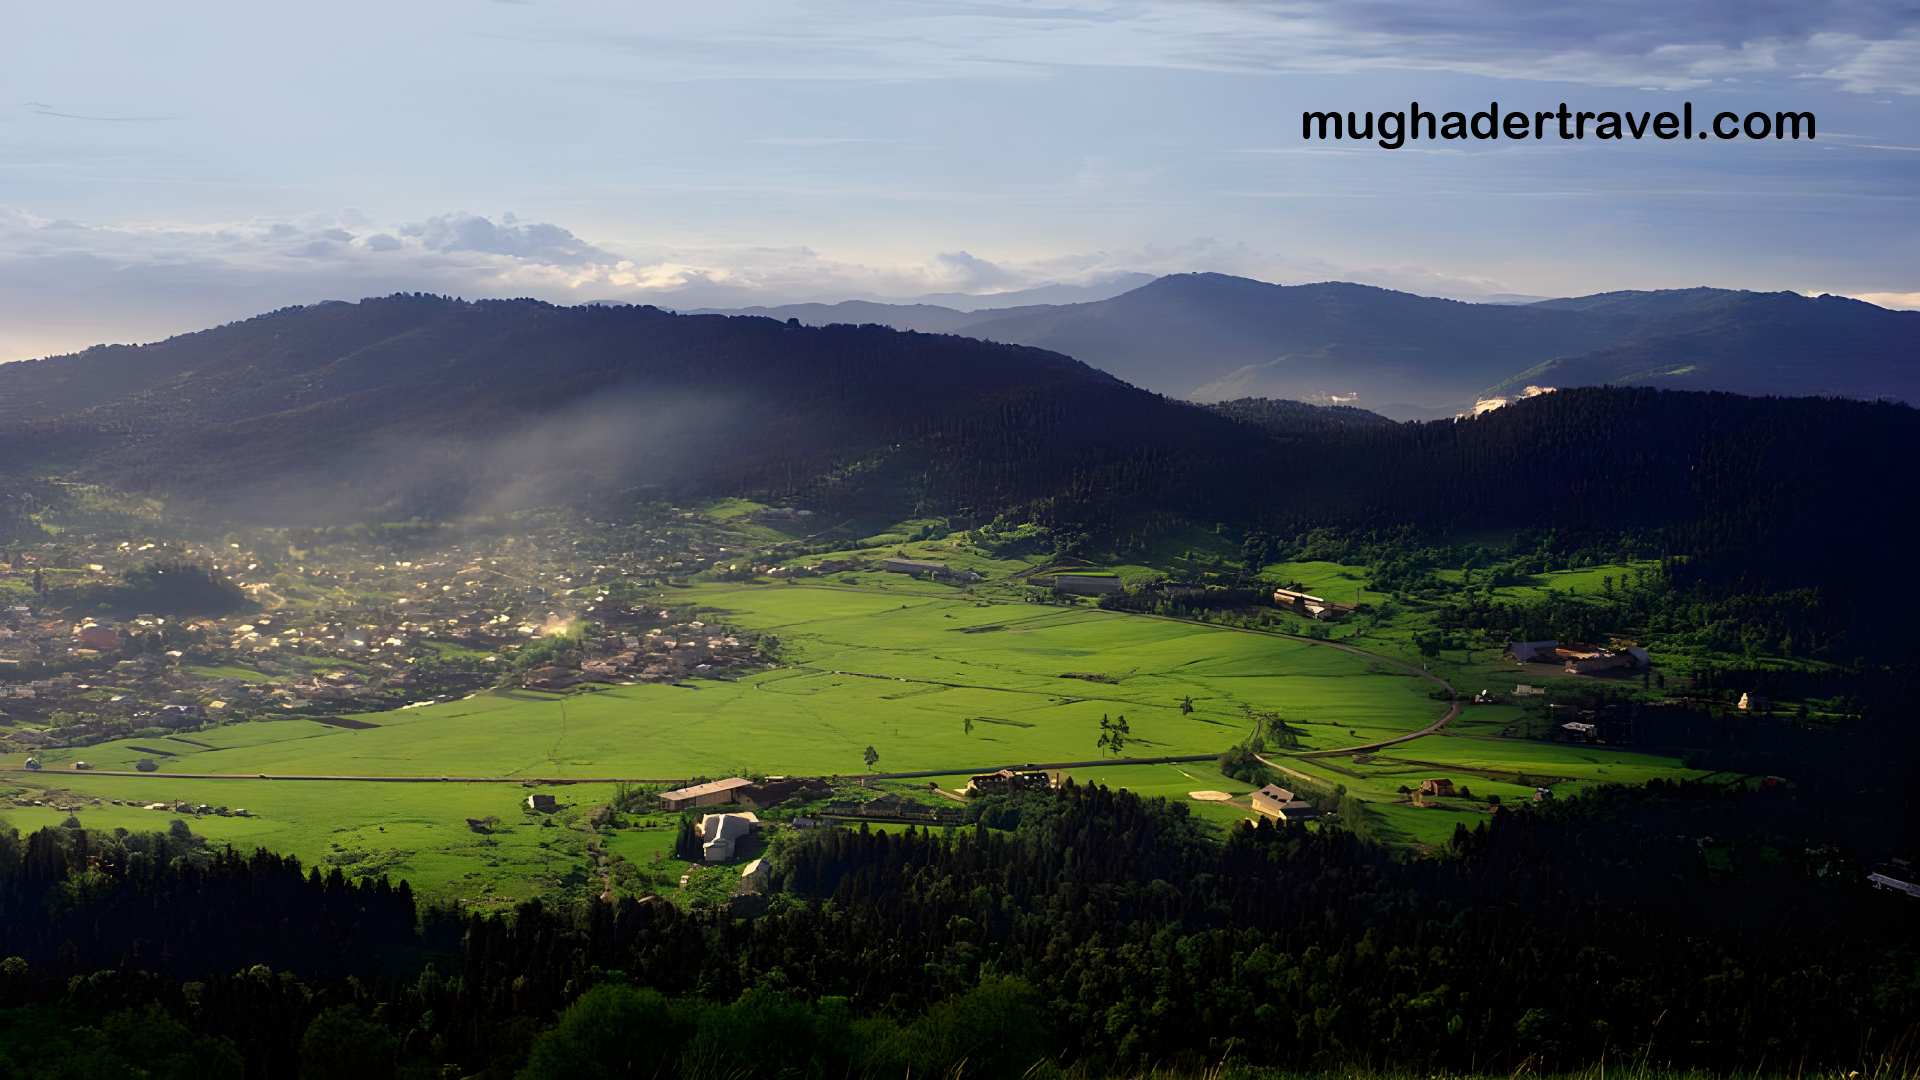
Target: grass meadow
{"x":933,"y":677}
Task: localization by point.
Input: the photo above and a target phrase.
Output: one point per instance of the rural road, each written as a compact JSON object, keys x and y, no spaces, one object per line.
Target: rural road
{"x":1453,"y":703}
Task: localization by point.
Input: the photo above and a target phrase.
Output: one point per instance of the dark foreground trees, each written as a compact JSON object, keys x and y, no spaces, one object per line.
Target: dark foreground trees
{"x":1695,"y":924}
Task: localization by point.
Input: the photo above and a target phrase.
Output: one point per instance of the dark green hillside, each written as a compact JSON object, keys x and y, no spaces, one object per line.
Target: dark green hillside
{"x":423,"y":405}
{"x":1752,"y":343}
{"x":1298,"y":417}
{"x":427,"y":404}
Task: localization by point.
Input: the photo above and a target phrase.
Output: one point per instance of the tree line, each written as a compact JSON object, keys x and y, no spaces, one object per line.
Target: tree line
{"x":1700,"y":924}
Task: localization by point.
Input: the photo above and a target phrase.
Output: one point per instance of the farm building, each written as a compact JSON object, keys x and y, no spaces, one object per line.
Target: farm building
{"x":1439,"y":785}
{"x":1087,"y":584}
{"x":1580,"y":731}
{"x":1009,"y":781}
{"x":1887,"y":881}
{"x":1268,"y":800}
{"x":1298,"y":812}
{"x":713,"y":793}
{"x":1278,"y":803}
{"x":721,"y":834}
{"x":1313,"y":607}
{"x":1591,"y":660}
{"x":775,"y":790}
{"x":1527,"y":652}
{"x":1579,"y":659}
{"x":927,"y":568}
{"x":1750,"y":702}
{"x":544,"y":804}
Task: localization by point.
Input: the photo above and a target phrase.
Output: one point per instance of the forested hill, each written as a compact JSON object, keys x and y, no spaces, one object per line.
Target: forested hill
{"x":425,"y":404}
{"x":419,"y":404}
{"x":1284,"y":417}
{"x":1212,"y":337}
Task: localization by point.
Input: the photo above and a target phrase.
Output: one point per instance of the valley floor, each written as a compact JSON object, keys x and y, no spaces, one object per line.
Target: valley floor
{"x":937,"y":680}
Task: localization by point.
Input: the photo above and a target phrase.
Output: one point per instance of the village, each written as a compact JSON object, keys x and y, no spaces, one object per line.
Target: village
{"x":327,"y":627}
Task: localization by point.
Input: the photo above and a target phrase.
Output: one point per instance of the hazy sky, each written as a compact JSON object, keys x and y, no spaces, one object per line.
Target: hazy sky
{"x":163,"y":167}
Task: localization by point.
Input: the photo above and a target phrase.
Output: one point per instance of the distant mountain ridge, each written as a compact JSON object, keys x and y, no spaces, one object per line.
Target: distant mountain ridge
{"x":1214,"y":337}
{"x":423,"y":407}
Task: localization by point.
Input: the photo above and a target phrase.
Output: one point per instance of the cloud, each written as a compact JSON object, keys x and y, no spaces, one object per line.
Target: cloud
{"x":1888,"y":65}
{"x":1902,"y":301}
{"x":41,"y":108}
{"x":965,"y":271}
{"x":1860,"y":46}
{"x":510,"y":236}
{"x":66,"y":284}
{"x":812,"y":141}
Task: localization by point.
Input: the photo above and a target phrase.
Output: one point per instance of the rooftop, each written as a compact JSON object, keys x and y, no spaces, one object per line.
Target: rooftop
{"x":712,"y":787}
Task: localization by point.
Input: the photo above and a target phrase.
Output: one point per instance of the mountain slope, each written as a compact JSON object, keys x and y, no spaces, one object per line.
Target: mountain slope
{"x":415,"y":403}
{"x":1211,"y":337}
{"x":1753,"y":343}
{"x":423,"y":405}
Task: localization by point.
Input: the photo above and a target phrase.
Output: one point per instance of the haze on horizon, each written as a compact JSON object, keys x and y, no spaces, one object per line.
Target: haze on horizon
{"x":163,"y":169}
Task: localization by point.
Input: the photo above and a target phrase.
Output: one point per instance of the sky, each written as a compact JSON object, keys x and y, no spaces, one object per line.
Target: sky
{"x":168,"y":167}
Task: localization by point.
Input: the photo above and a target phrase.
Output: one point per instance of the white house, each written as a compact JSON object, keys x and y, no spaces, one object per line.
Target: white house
{"x":720,"y":834}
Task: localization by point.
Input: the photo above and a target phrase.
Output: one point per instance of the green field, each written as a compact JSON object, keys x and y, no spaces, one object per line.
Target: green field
{"x":898,"y":670}
{"x":412,"y":831}
{"x":934,"y":677}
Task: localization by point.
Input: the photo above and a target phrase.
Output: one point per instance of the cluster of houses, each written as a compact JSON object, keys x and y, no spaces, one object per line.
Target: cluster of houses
{"x":394,"y":629}
{"x":668,"y":652}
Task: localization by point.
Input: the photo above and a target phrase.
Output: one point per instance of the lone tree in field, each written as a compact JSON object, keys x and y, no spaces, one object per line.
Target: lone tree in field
{"x":966,"y":726}
{"x":873,"y":758}
{"x":1113,"y":735}
{"x":1186,"y":705}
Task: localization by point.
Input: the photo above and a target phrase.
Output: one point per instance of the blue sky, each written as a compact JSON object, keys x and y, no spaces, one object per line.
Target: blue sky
{"x":165,"y":167}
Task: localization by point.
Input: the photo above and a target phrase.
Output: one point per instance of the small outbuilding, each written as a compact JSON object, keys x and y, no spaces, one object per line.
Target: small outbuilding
{"x":542,"y":803}
{"x":754,"y":877}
